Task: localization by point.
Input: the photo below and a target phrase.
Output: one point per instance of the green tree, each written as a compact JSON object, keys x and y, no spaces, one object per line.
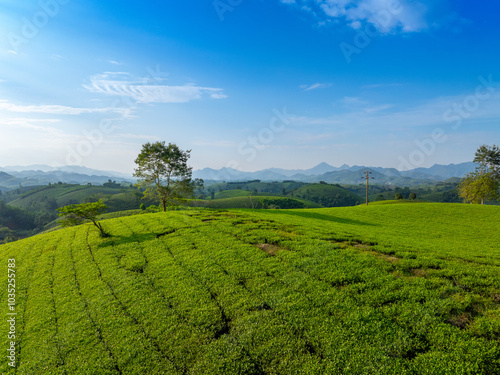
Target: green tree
{"x":413,"y":196}
{"x":76,"y":214}
{"x":478,"y":187}
{"x":164,"y":173}
{"x":488,"y":158}
{"x":484,"y":183}
{"x":399,"y":196}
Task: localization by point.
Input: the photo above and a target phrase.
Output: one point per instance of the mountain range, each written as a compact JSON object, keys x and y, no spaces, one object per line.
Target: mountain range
{"x":344,"y":174}
{"x":15,"y":176}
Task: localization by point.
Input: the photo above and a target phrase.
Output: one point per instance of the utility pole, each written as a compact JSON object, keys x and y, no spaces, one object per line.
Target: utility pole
{"x":367,"y":178}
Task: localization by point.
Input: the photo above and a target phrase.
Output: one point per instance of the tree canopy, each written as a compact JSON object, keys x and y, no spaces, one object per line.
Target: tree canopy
{"x":484,"y":183}
{"x":164,"y":173}
{"x":488,"y":158}
{"x":76,"y":214}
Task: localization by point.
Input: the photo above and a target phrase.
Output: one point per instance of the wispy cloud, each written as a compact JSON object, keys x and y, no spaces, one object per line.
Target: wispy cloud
{"x":125,"y":85}
{"x":20,"y":132}
{"x":315,"y":86}
{"x":386,"y":16}
{"x":28,"y":123}
{"x":386,"y":117}
{"x":5,"y":105}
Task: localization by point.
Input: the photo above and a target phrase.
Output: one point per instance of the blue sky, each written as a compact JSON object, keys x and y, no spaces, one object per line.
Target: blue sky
{"x":249,"y":84}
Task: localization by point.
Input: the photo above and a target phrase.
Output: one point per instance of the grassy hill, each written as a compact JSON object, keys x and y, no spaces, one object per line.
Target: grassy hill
{"x":383,"y":289}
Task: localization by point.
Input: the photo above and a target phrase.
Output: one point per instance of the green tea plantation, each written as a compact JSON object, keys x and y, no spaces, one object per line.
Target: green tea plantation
{"x":384,"y":289}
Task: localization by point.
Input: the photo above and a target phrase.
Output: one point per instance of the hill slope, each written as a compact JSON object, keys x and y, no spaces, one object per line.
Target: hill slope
{"x":403,"y":288}
{"x":328,"y":195}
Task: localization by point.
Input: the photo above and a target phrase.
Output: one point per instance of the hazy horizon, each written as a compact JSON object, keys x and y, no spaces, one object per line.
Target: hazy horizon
{"x":6,"y":168}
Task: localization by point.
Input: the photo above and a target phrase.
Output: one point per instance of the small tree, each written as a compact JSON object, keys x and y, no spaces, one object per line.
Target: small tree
{"x":413,"y":196}
{"x":164,"y":174}
{"x":399,"y":196}
{"x":76,"y":214}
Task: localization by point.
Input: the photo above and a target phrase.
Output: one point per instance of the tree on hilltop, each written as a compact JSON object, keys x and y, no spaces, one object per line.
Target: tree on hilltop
{"x":164,"y":173}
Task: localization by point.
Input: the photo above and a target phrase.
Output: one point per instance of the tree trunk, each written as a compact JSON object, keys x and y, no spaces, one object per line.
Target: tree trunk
{"x":164,"y":202}
{"x":99,"y":226}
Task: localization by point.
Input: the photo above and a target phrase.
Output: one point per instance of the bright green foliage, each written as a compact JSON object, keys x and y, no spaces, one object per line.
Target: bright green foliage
{"x":477,"y":187}
{"x":76,"y":214}
{"x":383,"y":289}
{"x":164,"y":174}
{"x":484,"y":183}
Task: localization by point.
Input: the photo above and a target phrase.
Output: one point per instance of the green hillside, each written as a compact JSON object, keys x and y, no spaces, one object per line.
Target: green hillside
{"x":65,"y":194}
{"x":328,"y":195}
{"x":232,"y":194}
{"x":259,"y":201}
{"x":382,"y":289}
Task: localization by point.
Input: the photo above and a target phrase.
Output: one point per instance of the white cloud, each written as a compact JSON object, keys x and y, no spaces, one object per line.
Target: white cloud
{"x":386,"y":16}
{"x":315,"y":86}
{"x":124,"y":85}
{"x":5,"y":105}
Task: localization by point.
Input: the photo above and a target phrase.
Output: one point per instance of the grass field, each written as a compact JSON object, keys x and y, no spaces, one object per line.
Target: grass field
{"x":383,"y":289}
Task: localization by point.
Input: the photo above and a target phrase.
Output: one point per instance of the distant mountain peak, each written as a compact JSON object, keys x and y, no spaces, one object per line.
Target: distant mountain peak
{"x":323,"y":164}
